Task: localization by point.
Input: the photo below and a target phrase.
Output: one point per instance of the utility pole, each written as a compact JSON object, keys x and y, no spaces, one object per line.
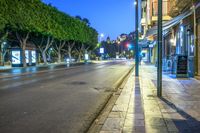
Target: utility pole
{"x":137,"y":38}
{"x":159,"y":62}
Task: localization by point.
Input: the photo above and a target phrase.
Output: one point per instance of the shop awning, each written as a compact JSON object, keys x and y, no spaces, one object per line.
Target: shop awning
{"x":167,"y":25}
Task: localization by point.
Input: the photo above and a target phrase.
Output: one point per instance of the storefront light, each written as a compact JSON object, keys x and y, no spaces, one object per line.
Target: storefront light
{"x":192,"y":48}
{"x":172,"y":41}
{"x":181,"y":42}
{"x":182,"y":28}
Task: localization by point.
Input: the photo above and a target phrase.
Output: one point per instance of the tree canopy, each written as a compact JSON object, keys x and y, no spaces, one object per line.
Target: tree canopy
{"x":22,"y":17}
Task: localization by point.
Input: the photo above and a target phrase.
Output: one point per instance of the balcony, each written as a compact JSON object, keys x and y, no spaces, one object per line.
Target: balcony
{"x":143,"y":21}
{"x":166,"y":16}
{"x":178,"y":6}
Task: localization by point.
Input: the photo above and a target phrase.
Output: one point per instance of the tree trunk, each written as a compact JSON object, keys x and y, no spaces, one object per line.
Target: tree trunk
{"x":24,"y":55}
{"x":59,"y":56}
{"x":49,"y":43}
{"x":3,"y":60}
{"x":44,"y":57}
{"x":23,"y":42}
{"x":70,"y":55}
{"x":80,"y":53}
{"x":69,"y":51}
{"x":79,"y":57}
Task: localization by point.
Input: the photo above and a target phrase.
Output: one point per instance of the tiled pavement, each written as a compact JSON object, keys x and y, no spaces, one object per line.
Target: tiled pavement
{"x":139,"y":110}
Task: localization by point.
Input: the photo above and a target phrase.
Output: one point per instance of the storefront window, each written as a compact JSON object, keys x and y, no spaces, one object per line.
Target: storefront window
{"x":178,"y":48}
{"x":191,"y":45}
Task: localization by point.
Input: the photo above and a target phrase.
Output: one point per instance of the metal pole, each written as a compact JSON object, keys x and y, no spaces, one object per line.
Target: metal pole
{"x":195,"y":41}
{"x":136,"y":44}
{"x":159,"y":67}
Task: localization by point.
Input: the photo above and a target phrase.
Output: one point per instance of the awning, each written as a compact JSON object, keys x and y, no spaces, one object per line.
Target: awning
{"x":167,"y":25}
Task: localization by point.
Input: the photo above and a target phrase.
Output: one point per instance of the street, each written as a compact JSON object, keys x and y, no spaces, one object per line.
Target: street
{"x":60,"y":101}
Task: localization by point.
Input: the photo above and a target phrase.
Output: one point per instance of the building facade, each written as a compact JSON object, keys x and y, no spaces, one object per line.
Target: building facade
{"x":149,"y":19}
{"x":181,"y":33}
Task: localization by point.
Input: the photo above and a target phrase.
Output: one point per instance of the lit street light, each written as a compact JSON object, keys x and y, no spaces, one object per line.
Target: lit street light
{"x":100,"y":37}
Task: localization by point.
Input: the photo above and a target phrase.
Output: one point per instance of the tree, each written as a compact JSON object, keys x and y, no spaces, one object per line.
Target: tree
{"x":20,"y":21}
{"x":85,"y":20}
{"x":45,"y":26}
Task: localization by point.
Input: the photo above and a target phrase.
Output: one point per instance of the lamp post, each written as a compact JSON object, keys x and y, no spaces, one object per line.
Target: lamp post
{"x":100,"y":39}
{"x":159,"y":40}
{"x":136,"y":42}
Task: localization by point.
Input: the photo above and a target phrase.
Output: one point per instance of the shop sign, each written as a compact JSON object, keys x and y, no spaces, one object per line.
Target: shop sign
{"x":182,"y":66}
{"x":16,"y":57}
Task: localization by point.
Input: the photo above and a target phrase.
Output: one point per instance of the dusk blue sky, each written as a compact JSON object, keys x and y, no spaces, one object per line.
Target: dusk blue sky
{"x":110,"y":17}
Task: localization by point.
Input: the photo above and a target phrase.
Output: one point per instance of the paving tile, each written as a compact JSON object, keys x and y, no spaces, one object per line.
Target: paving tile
{"x":137,"y":129}
{"x":135,"y":116}
{"x":113,"y":124}
{"x":133,"y":122}
{"x":113,"y":131}
{"x":179,"y":112}
{"x":117,"y":115}
{"x":120,"y":108}
{"x":156,"y":129}
{"x":154,"y":121}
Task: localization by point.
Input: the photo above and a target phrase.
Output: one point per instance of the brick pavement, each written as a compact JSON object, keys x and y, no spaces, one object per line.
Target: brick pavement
{"x":139,"y":110}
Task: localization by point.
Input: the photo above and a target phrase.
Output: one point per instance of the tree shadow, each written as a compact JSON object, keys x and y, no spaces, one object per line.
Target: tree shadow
{"x":138,"y":108}
{"x":188,"y":125}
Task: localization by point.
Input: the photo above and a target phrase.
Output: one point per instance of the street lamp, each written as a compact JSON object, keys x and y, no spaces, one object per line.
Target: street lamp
{"x":101,"y":49}
{"x":100,"y":37}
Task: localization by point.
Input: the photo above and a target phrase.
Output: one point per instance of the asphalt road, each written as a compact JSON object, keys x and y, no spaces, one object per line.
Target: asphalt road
{"x":61,"y":101}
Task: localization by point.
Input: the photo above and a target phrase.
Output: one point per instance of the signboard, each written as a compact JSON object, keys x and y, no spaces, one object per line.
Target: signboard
{"x":86,"y":57}
{"x":16,"y":58}
{"x":101,"y":50}
{"x":33,"y":56}
{"x":151,"y":46}
{"x":27,"y":56}
{"x":182,"y":66}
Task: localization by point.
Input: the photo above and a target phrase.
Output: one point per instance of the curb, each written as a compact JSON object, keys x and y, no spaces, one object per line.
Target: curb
{"x":45,"y":71}
{"x":29,"y":73}
{"x":42,"y":71}
{"x":93,"y":128}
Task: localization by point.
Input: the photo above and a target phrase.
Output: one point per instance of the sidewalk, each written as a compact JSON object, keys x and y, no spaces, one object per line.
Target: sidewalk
{"x":138,"y":110}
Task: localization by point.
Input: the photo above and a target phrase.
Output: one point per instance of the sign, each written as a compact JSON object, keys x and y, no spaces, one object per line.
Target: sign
{"x":33,"y":56}
{"x":101,"y":50}
{"x":151,"y":46}
{"x":27,"y":56}
{"x":182,"y":66}
{"x":16,"y":58}
{"x":86,"y":57}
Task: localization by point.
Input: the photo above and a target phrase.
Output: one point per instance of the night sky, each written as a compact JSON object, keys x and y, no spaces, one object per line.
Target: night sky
{"x":110,"y":17}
